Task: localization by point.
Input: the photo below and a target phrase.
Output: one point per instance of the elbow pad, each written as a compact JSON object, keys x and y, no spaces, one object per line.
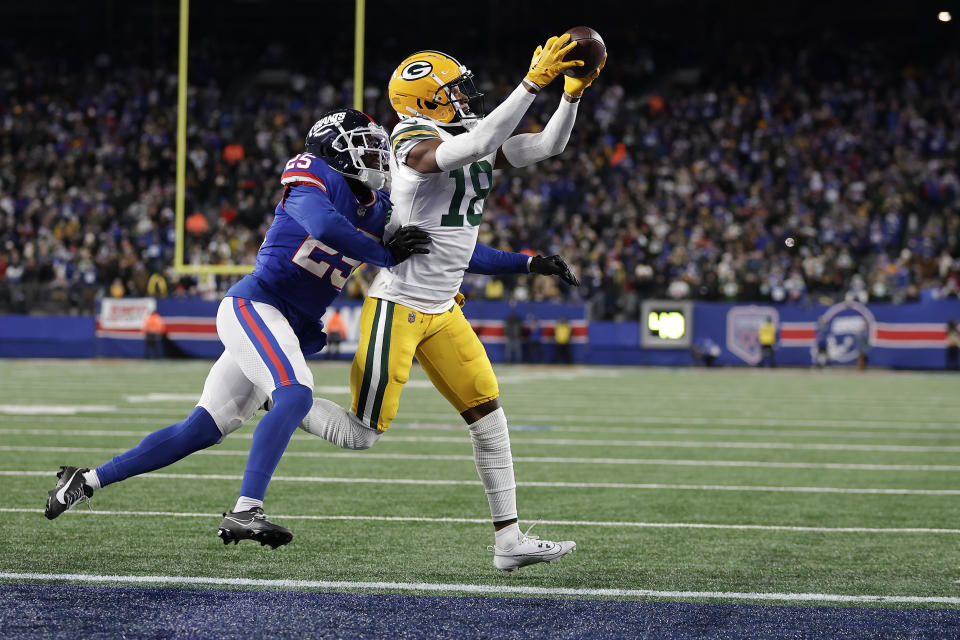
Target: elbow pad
{"x":488,"y":135}
{"x":528,"y":148}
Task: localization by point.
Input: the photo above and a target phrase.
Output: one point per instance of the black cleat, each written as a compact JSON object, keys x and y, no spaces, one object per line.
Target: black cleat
{"x":252,"y":525}
{"x":70,"y":490}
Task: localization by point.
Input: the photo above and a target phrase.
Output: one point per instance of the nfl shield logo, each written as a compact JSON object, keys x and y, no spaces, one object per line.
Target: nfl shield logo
{"x":743,"y":323}
{"x":848,"y":324}
{"x":411,"y":317}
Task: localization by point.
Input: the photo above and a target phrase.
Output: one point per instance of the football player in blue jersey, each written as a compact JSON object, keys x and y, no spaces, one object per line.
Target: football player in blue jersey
{"x":330,"y":218}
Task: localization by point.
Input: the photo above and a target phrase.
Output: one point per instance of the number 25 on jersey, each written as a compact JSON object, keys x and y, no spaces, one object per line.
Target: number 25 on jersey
{"x":300,"y":161}
{"x":338,"y":276}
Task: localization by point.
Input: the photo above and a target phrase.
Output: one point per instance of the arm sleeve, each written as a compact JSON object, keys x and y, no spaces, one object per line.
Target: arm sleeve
{"x":488,"y":135}
{"x":489,"y":261}
{"x":313,"y":211}
{"x":527,"y":148}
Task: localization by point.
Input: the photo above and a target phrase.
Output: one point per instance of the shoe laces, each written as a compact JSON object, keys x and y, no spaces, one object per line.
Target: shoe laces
{"x":75,"y":496}
{"x":524,"y":537}
{"x":526,"y":534}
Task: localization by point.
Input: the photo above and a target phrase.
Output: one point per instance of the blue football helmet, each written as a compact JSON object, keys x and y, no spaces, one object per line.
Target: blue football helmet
{"x":353,"y":145}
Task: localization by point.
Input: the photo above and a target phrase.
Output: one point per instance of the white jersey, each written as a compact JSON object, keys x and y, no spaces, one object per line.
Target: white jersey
{"x":448,"y":206}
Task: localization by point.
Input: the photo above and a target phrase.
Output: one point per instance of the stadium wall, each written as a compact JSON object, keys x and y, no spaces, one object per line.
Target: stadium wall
{"x":47,"y":336}
{"x":907,"y":336}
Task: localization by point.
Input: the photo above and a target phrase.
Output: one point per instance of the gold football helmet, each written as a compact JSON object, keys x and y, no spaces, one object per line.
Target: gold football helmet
{"x":433,"y":85}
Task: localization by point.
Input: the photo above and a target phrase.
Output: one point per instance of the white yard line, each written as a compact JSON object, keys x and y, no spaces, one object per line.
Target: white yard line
{"x":686,"y":419}
{"x":520,"y":432}
{"x":69,"y":410}
{"x":43,"y":409}
{"x":45,"y":412}
{"x":156,"y":423}
{"x":735,"y":397}
{"x":898,"y":433}
{"x":572,"y":523}
{"x":687,"y":444}
{"x":59,"y":409}
{"x":801,"y":446}
{"x":555,"y":485}
{"x":653,"y":462}
{"x":495,"y":589}
{"x":838,"y":466}
{"x":515,"y":391}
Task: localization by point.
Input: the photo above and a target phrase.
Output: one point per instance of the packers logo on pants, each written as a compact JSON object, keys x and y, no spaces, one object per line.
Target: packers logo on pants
{"x":445,"y":344}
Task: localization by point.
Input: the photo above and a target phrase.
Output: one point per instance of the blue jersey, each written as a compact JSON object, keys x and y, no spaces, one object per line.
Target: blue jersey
{"x":320,"y":233}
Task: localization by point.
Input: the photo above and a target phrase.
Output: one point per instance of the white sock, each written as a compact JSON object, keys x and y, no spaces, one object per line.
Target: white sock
{"x":338,"y":426}
{"x":508,"y":537}
{"x":245,"y":504}
{"x":491,"y":453}
{"x":92,"y":479}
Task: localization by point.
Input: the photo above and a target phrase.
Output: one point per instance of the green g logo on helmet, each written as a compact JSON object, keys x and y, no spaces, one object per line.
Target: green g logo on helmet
{"x":416,"y":70}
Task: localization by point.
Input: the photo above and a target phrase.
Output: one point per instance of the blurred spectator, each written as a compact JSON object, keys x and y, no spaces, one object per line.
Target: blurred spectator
{"x":822,"y":357}
{"x":953,"y":345}
{"x":154,"y":333}
{"x":116,"y":288}
{"x":767,"y":337}
{"x":562,"y":336}
{"x":513,"y":335}
{"x":705,"y":352}
{"x":197,"y":224}
{"x":863,"y":347}
{"x":336,"y":330}
{"x":493,"y":289}
{"x":534,"y":332}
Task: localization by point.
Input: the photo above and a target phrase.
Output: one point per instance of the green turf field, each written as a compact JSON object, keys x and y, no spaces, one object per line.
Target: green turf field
{"x":731,"y":481}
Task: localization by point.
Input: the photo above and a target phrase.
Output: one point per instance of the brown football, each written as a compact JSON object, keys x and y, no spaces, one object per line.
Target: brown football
{"x":590,"y":49}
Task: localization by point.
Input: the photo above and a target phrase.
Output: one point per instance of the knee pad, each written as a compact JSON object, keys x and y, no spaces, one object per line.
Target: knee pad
{"x":491,"y":441}
{"x":295,"y":399}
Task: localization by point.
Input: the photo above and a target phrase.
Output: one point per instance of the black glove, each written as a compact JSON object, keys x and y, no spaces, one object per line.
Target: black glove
{"x":407,"y":241}
{"x":553,"y":266}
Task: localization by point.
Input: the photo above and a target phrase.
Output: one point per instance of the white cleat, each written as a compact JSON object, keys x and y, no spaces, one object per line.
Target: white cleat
{"x":530,"y":550}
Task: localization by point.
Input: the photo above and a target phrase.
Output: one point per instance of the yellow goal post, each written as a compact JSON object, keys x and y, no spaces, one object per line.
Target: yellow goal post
{"x":181,"y":178}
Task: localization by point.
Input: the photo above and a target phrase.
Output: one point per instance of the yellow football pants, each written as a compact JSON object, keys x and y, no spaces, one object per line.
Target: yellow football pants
{"x":445,"y":344}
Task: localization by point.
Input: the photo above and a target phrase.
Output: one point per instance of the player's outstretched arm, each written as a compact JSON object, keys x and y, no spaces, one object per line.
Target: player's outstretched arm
{"x":434,"y":155}
{"x":525,"y":149}
{"x":489,"y":261}
{"x":492,"y":262}
{"x":553,"y":266}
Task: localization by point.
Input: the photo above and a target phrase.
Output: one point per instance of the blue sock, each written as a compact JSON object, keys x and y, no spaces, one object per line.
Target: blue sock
{"x":162,"y":448}
{"x":290,"y":406}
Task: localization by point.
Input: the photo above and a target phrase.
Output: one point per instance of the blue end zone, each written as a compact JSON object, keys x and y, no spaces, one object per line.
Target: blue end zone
{"x":28,"y":610}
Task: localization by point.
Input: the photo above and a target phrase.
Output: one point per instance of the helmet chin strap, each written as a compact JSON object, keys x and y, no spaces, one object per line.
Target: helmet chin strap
{"x":373,"y":179}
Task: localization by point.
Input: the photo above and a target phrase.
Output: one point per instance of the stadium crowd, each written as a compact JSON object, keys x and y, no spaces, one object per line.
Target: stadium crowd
{"x":778,"y":183}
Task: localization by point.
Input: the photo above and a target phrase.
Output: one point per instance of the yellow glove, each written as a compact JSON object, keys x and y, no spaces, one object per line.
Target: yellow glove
{"x":576,"y":86}
{"x":548,"y":62}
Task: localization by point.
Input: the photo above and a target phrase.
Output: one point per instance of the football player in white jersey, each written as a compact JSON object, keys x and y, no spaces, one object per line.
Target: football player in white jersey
{"x":443,"y":152}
